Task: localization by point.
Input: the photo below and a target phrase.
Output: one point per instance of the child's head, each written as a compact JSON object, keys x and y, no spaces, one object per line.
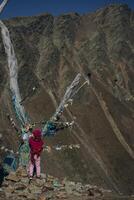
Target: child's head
{"x":37,"y":133}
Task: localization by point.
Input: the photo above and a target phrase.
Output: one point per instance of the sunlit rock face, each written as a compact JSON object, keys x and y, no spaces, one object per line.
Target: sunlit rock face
{"x":50,"y":52}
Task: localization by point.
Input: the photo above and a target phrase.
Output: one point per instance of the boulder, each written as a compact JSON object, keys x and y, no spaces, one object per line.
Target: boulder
{"x":21,"y":172}
{"x":13,"y":177}
{"x":20,"y":186}
{"x":61,"y":195}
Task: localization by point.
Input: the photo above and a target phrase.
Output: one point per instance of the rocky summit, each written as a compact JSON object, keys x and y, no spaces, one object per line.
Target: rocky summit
{"x":17,"y":186}
{"x":50,"y":52}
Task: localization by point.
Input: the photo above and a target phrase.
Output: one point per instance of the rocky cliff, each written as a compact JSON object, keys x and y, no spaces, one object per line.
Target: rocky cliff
{"x":50,"y":52}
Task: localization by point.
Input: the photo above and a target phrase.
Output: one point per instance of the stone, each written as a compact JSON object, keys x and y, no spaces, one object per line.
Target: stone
{"x":98,"y":192}
{"x":34,"y":189}
{"x":31,"y":197}
{"x":64,"y":181}
{"x":39,"y":182}
{"x":42,"y":197}
{"x":2,"y":194}
{"x":78,"y":194}
{"x":61,"y":188}
{"x":79,"y":187}
{"x":47,"y":187}
{"x":61,"y":195}
{"x":20,"y":186}
{"x":87,"y":186}
{"x":69,"y":186}
{"x":12,"y":177}
{"x":9,"y":192}
{"x":90,"y":192}
{"x":39,"y":189}
{"x":23,"y":194}
{"x":94,"y":192}
{"x":49,"y":195}
{"x":49,"y":178}
{"x":25,"y":180}
{"x":5,"y":184}
{"x":21,"y":172}
{"x":10,"y":189}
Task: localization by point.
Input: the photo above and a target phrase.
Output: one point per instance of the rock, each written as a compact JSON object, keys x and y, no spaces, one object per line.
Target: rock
{"x":47,"y":187}
{"x":87,"y":186}
{"x":42,"y":197}
{"x":49,"y":178}
{"x":98,"y":192}
{"x":23,"y":194}
{"x":21,"y":172}
{"x":2,"y":194}
{"x":61,"y":188}
{"x":78,"y":194}
{"x":5,"y":184}
{"x":79,"y":187}
{"x":25,"y":180}
{"x":39,"y":189}
{"x":49,"y":195}
{"x":39,"y":182}
{"x":61,"y":195}
{"x":90,"y":192}
{"x":9,"y":189}
{"x":31,"y":197}
{"x":34,"y":189}
{"x":69,"y":186}
{"x":20,"y":186}
{"x":64,"y":181}
{"x":94,"y":192}
{"x":13,"y":177}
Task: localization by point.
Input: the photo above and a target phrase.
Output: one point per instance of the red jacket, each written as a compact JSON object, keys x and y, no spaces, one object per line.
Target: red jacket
{"x":36,"y":143}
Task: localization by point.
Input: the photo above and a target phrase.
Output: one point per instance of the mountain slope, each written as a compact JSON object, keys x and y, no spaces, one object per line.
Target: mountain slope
{"x":50,"y":52}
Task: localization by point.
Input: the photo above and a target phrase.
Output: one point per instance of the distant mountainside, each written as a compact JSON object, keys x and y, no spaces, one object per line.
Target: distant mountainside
{"x":50,"y":52}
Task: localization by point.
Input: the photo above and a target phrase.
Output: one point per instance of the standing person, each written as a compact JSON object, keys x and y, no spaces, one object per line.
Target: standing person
{"x":36,"y":146}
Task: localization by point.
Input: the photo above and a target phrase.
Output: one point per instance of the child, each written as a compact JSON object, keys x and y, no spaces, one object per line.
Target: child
{"x":36,"y":146}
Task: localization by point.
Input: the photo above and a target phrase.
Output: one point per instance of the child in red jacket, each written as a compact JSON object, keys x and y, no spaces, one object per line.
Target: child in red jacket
{"x":36,"y":146}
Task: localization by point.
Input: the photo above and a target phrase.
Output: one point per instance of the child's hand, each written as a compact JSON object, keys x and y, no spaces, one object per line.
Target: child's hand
{"x":48,"y":149}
